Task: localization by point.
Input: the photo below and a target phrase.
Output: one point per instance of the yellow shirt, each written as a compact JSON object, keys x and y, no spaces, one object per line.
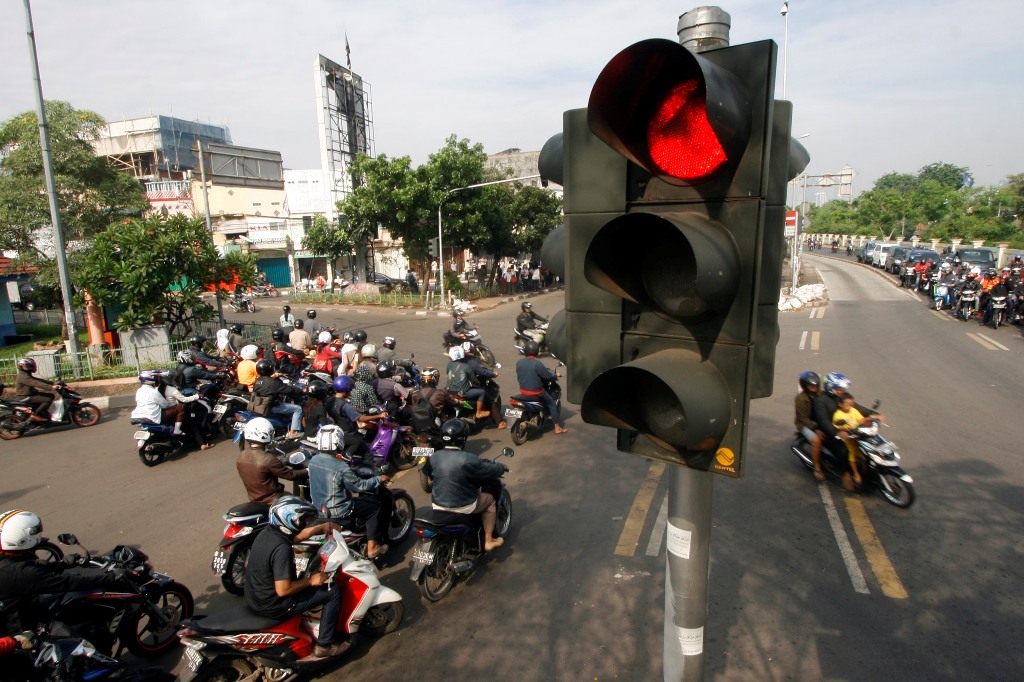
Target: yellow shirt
{"x":247,"y":373}
{"x":853,"y":418}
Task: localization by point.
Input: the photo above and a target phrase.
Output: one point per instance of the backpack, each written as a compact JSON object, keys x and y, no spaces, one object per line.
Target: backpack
{"x":423,"y":415}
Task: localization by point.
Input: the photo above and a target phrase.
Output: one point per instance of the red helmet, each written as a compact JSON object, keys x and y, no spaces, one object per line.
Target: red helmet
{"x":27,"y":364}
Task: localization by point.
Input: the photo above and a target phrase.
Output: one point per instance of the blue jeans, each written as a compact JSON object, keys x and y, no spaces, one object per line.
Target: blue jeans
{"x":312,"y":597}
{"x":295,"y":411}
{"x":551,"y":406}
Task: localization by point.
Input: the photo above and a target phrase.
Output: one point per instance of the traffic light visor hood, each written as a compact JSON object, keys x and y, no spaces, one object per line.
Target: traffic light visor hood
{"x":677,"y":115}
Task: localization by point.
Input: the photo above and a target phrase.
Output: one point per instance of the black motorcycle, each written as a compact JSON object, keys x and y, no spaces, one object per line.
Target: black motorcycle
{"x":451,"y":545}
{"x":480,"y":349}
{"x":142,"y":617}
{"x":156,"y":442}
{"x":57,"y":655}
{"x":68,"y":408}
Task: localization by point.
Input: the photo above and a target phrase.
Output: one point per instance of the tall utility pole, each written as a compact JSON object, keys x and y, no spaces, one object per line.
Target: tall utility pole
{"x":209,"y":227}
{"x":51,"y":192}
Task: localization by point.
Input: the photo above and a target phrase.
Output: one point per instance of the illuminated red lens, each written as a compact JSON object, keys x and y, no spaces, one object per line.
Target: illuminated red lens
{"x":679,"y":137}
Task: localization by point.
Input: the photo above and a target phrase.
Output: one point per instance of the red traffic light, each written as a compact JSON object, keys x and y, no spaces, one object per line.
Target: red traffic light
{"x":678,"y":115}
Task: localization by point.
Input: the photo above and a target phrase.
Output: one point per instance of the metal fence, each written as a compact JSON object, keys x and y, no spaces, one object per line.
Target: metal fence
{"x":108,"y":363}
{"x":51,"y":318}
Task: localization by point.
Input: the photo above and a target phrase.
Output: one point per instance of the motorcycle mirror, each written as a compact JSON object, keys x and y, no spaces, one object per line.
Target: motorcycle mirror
{"x":497,"y":365}
{"x":508,"y":452}
{"x":297,"y":458}
{"x":875,"y":405}
{"x":67,"y":539}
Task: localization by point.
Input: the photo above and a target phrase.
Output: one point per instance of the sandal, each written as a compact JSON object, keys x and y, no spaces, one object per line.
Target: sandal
{"x":206,"y":446}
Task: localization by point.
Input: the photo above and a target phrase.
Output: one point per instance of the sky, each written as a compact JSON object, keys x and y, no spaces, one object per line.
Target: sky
{"x":878,"y":85}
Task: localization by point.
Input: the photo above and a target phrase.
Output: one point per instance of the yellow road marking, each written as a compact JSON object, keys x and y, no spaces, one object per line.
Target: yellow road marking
{"x":815,"y":340}
{"x":821,"y":313}
{"x":879,"y":560}
{"x":985,"y":344}
{"x":630,"y":536}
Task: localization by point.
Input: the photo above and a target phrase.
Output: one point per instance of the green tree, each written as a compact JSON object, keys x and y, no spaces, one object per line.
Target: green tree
{"x":156,"y":269}
{"x":332,"y":240}
{"x":946,"y":174}
{"x":91,"y":193}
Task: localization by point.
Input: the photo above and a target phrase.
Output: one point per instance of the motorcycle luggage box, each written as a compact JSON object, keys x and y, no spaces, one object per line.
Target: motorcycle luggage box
{"x":238,"y":619}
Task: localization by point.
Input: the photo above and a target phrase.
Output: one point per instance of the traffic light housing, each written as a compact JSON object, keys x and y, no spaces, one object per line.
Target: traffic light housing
{"x":434,"y":248}
{"x":667,"y":183}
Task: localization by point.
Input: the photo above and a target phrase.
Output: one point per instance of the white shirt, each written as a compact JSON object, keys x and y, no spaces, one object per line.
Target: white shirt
{"x":149,"y":403}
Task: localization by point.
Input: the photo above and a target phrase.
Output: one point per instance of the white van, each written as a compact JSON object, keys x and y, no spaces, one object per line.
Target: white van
{"x":881,"y":254}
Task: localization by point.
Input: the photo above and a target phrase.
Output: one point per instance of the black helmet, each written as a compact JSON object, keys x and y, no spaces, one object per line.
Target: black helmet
{"x":360,"y":336}
{"x":197,"y":340}
{"x":264,"y":368}
{"x":455,"y":432}
{"x":385,"y":368}
{"x":236,"y":328}
{"x":531,"y":348}
{"x":287,"y":309}
{"x":311,"y":314}
{"x":317,"y":389}
{"x":27,"y":364}
{"x":298,"y":324}
{"x":809,"y":378}
{"x":429,"y":376}
{"x":526,"y":305}
{"x":388,"y":342}
{"x":277,"y":334}
{"x":457,"y":313}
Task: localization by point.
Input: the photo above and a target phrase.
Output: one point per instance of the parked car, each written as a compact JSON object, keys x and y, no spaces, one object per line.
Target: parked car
{"x":864,"y":250}
{"x":979,"y":256}
{"x":389,"y":283}
{"x":896,"y":258}
{"x":880,"y":254}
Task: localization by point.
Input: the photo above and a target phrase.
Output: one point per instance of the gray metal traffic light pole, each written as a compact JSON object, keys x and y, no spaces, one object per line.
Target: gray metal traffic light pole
{"x":440,"y":236}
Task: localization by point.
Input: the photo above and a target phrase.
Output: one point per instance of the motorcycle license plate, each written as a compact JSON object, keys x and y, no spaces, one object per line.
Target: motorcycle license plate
{"x":422,"y":452}
{"x":141,"y":435}
{"x":220,"y":409}
{"x":998,"y":304}
{"x":194,"y":658}
{"x":301,"y":563}
{"x":422,"y":556}
{"x":220,"y":562}
{"x":513,"y":414}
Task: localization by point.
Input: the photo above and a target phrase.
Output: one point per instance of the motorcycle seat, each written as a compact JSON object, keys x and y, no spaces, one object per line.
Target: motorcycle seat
{"x":238,"y":619}
{"x":247,"y":509}
{"x":438,"y":519}
{"x":152,"y":426}
{"x":532,"y":399}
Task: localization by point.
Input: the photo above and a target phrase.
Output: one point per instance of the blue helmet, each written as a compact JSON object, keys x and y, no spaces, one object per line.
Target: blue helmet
{"x":834,"y":380}
{"x":344,"y":384}
{"x":292,"y":514}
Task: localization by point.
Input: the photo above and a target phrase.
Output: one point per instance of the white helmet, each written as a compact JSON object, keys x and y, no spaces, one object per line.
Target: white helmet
{"x":325,"y":337}
{"x":250,"y":352}
{"x":19,"y":530}
{"x":259,"y":430}
{"x":976,"y":271}
{"x":369,"y":351}
{"x":456,"y":353}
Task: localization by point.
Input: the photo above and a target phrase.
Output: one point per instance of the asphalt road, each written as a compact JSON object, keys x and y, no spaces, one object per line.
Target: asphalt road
{"x":577,"y":593}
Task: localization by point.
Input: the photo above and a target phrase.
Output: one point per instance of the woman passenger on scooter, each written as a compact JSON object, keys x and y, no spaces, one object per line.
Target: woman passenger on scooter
{"x":158,"y":402}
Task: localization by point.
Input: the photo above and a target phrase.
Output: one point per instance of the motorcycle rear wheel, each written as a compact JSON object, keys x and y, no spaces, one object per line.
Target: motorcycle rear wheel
{"x":150,"y":454}
{"x":504,"y":520}
{"x":146,"y":638}
{"x":226,"y":670}
{"x":402,"y":457}
{"x":896,"y":491}
{"x":382,"y":619}
{"x":233,"y":579}
{"x":486,"y":356}
{"x":438,"y":578}
{"x":86,"y":415}
{"x":520,"y":432}
{"x":11,"y":428}
{"x":402,"y":514}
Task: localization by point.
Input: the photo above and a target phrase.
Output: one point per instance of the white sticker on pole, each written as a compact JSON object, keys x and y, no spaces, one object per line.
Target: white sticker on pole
{"x":691,"y":640}
{"x":678,"y":541}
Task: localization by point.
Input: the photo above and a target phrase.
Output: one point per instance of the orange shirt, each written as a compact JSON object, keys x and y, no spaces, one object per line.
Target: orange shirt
{"x":247,"y":373}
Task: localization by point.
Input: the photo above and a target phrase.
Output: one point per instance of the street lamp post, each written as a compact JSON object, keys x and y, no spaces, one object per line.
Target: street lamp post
{"x":785,"y":48}
{"x":440,"y":236}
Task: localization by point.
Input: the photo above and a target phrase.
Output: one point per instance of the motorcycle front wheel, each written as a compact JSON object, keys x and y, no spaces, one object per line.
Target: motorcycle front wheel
{"x":895,"y":490}
{"x":520,"y":432}
{"x":86,"y":415}
{"x":438,"y":578}
{"x":402,"y":513}
{"x":226,"y":670}
{"x":233,"y":579}
{"x":47,"y":552}
{"x":504,"y":520}
{"x":146,"y":635}
{"x":382,"y":619}
{"x":11,"y":428}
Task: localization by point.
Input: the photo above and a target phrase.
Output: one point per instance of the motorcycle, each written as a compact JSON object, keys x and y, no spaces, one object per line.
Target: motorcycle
{"x":966,"y":304}
{"x":452,"y":545}
{"x":480,"y":349}
{"x":263,"y":290}
{"x":58,"y":656}
{"x":457,"y":406}
{"x":231,"y":402}
{"x":392,"y":443}
{"x":238,"y":644}
{"x":156,"y":442}
{"x":879,"y":464}
{"x":143,"y":617}
{"x":943,"y":296}
{"x":522,"y":337}
{"x":241,"y":304}
{"x":526,"y":413}
{"x":996,"y":313}
{"x":67,"y":408}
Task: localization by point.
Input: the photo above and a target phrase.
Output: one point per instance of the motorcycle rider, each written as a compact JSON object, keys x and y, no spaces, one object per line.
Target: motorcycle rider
{"x":825,"y":406}
{"x":299,"y":338}
{"x":1000,"y":286}
{"x":260,"y":470}
{"x":492,"y":392}
{"x":313,"y":328}
{"x":273,"y":391}
{"x":533,"y":378}
{"x":195,"y":344}
{"x":349,"y":354}
{"x":246,"y":369}
{"x":526,"y":322}
{"x":286,"y":356}
{"x":364,"y":393}
{"x":235,"y":338}
{"x":160,"y":402}
{"x":346,"y":417}
{"x":333,"y":479}
{"x":28,"y":385}
{"x":188,"y":372}
{"x":434,"y":396}
{"x":287,"y":320}
{"x":461,"y":329}
{"x":971,"y":283}
{"x":810,"y":387}
{"x":458,"y":476}
{"x":460,"y":381}
{"x":393,"y":395}
{"x":271,"y":587}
